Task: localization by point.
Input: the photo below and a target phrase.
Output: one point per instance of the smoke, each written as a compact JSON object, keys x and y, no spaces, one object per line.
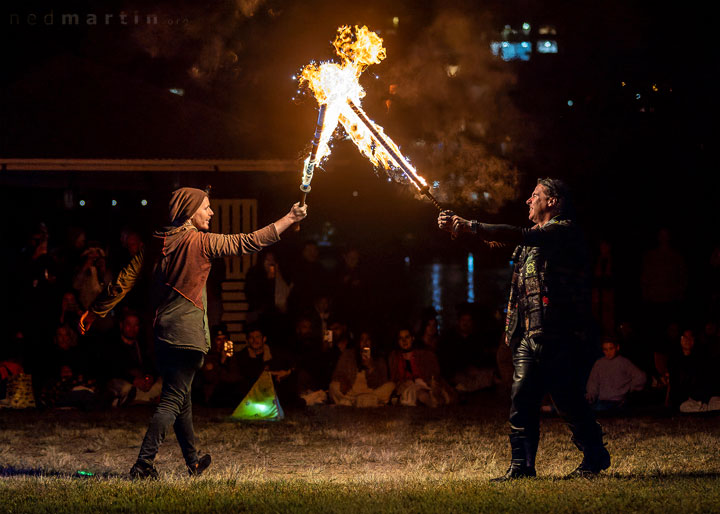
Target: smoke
{"x":208,"y":40}
{"x":454,"y":95}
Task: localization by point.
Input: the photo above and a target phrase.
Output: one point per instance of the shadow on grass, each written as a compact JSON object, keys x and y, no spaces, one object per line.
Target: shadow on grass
{"x":11,"y":471}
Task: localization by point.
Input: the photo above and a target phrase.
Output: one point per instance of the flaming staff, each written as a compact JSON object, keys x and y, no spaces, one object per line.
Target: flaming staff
{"x":312,"y":159}
{"x":337,"y":88}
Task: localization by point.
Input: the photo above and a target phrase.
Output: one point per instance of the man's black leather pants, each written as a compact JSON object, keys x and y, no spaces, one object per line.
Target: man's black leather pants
{"x":558,"y":367}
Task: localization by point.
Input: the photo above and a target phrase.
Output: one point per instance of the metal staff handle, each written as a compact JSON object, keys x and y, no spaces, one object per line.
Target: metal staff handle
{"x":424,"y":188}
{"x":310,"y":167}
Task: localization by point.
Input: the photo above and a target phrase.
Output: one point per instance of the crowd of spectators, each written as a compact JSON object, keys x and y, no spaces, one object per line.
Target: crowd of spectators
{"x":314,"y":329}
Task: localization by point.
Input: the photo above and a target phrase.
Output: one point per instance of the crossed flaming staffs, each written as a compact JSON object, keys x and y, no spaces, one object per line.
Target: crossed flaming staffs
{"x":380,"y":138}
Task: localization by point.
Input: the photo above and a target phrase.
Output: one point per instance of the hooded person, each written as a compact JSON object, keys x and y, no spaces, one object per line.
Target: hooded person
{"x":178,"y":262}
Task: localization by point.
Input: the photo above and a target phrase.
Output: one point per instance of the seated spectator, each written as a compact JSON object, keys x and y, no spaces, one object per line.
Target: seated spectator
{"x":429,"y":336}
{"x":239,"y":371}
{"x":10,"y":368}
{"x":360,"y":378}
{"x":130,"y":375}
{"x":468,"y":359}
{"x":416,"y":374}
{"x":612,"y":378}
{"x":67,"y":379}
{"x":688,"y":377}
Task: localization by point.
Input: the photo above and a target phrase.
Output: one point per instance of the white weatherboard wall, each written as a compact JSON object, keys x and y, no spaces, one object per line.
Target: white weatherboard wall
{"x":233,"y":216}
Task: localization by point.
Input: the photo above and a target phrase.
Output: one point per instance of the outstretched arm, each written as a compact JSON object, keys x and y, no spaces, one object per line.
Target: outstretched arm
{"x":114,"y":293}
{"x":297,"y":213}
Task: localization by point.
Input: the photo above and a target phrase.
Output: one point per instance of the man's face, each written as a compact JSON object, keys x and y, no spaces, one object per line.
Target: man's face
{"x":541,"y":205}
{"x":201,"y":218}
{"x":465,"y":324}
{"x":610,"y":350}
{"x":338,"y":330}
{"x":63,"y":338}
{"x":303,"y":327}
{"x":687,"y":340}
{"x":256,"y":340}
{"x":405,"y":340}
{"x":130,"y":327}
{"x":220,"y":341}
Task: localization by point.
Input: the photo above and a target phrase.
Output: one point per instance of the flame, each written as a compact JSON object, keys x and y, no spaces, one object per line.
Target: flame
{"x":335,"y":85}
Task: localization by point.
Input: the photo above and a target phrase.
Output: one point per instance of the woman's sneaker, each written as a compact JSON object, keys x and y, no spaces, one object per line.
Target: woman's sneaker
{"x":142,"y":470}
{"x":200,"y":466}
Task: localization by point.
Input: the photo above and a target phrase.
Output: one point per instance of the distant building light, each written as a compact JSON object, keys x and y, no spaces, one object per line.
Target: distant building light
{"x":452,"y":69}
{"x":547,"y":30}
{"x":471,"y":278}
{"x":407,"y":261}
{"x":655,"y":88}
{"x":114,"y":203}
{"x":638,"y":96}
{"x":486,"y":195}
{"x":511,"y":51}
{"x":570,"y":103}
{"x":354,"y":193}
{"x":474,"y":196}
{"x":547,"y":46}
{"x":82,"y":203}
{"x":143,"y":202}
{"x":436,"y":184}
{"x":177,"y":91}
{"x":623,"y":83}
{"x":396,"y":21}
{"x":526,"y":27}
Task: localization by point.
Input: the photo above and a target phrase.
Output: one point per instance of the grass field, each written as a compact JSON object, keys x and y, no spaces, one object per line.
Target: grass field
{"x":334,"y":459}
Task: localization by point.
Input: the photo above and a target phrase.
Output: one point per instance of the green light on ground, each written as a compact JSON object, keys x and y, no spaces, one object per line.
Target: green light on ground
{"x":84,"y":473}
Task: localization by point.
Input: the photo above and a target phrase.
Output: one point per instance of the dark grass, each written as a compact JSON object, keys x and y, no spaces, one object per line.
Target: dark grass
{"x":342,"y":460}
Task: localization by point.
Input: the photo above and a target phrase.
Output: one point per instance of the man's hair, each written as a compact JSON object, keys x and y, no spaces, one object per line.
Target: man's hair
{"x":557,"y":189}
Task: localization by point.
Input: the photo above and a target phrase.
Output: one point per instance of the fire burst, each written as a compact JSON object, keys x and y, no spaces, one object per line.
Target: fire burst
{"x":338,"y":92}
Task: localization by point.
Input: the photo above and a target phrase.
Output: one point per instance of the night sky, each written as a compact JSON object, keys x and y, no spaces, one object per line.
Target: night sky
{"x":638,"y":155}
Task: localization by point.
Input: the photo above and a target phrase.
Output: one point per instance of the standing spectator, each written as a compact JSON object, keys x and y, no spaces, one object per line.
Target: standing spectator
{"x":92,"y":277}
{"x":612,"y":378}
{"x":309,"y":278}
{"x":663,"y":281}
{"x":267,"y":294}
{"x":603,"y":289}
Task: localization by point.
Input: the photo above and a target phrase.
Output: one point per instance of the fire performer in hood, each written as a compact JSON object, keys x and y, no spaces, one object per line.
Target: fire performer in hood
{"x":546,"y":326}
{"x":180,"y":257}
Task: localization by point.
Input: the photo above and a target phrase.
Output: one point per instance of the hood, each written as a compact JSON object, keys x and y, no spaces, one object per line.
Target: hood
{"x":169,"y":237}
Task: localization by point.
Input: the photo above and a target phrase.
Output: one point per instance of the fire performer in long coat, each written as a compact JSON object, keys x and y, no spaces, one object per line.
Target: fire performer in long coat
{"x":546,"y":326}
{"x":181,"y":255}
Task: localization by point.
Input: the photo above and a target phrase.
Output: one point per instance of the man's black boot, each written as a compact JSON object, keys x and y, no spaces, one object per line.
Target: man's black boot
{"x":514,"y":472}
{"x":523,"y":459}
{"x":200,"y":466}
{"x":595,"y":459}
{"x":142,"y":470}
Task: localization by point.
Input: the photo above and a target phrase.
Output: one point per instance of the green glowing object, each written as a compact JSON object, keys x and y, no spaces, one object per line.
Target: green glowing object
{"x":83,"y":473}
{"x":261,"y":403}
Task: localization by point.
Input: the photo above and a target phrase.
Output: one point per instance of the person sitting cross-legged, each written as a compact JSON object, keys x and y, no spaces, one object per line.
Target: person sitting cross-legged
{"x":360,"y":378}
{"x":612,"y":378}
{"x":416,"y":373}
